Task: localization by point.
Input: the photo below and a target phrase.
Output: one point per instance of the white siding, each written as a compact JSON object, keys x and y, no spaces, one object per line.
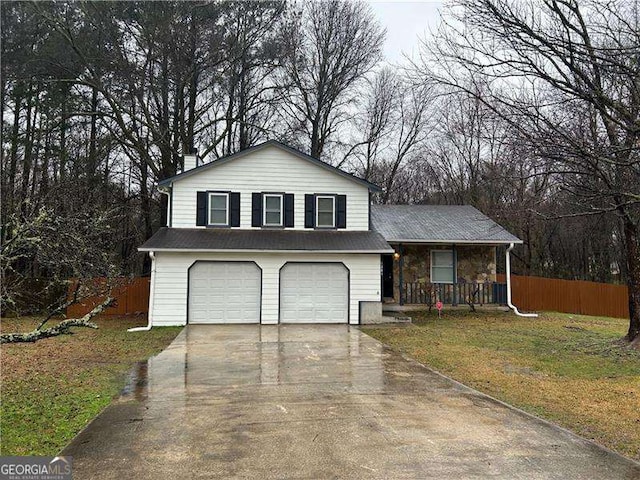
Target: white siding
{"x":169,"y":305}
{"x":269,"y":170}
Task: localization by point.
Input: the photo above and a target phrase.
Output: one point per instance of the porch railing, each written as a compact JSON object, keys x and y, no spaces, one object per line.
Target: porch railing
{"x":486,"y":293}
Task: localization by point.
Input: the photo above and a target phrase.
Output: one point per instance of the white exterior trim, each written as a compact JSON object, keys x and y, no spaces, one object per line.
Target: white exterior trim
{"x":222,"y":250}
{"x":264,"y":209}
{"x":220,"y":194}
{"x":333,"y":211}
{"x":456,"y":242}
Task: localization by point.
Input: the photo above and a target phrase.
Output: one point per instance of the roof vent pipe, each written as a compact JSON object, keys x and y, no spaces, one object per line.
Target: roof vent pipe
{"x":508,"y":275}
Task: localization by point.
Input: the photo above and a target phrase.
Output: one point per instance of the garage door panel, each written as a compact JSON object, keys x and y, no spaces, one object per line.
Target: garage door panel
{"x":224,"y":292}
{"x":314,"y":293}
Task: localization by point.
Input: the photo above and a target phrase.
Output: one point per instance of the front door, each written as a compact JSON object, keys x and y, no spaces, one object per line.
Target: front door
{"x":387,"y":276}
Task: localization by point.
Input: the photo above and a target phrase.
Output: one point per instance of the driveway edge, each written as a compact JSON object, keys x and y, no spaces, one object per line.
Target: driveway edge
{"x":523,"y":413}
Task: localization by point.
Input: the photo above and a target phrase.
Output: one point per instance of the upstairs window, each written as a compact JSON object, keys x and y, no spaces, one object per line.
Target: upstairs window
{"x":219,"y":209}
{"x":272,"y":216}
{"x":442,"y":266}
{"x":325,"y":211}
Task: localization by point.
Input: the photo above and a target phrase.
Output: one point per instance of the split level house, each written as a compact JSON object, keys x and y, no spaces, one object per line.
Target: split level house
{"x":271,"y":235}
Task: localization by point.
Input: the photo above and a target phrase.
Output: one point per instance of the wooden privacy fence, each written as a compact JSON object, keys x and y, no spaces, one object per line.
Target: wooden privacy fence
{"x":569,"y":296}
{"x":131,"y":295}
{"x":529,"y":294}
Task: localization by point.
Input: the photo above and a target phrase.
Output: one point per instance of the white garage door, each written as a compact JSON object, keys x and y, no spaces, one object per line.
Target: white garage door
{"x":314,"y":293}
{"x":224,"y":292}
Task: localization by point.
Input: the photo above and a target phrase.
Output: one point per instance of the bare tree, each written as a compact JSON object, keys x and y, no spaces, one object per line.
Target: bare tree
{"x":413,"y":128}
{"x":252,"y":40}
{"x":577,"y":62}
{"x":329,"y":47}
{"x":390,"y":127}
{"x":373,"y":123}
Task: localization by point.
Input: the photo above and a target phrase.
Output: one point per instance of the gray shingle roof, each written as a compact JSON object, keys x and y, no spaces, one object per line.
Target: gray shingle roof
{"x":437,"y":224}
{"x":218,"y":239}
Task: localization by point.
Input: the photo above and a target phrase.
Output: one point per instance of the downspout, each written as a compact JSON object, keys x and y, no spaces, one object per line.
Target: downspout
{"x":151,"y":290}
{"x":508,"y":275}
{"x":167,"y":192}
{"x":401,"y":274}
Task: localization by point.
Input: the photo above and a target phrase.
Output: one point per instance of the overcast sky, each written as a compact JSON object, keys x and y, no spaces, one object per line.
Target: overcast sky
{"x":405,"y":22}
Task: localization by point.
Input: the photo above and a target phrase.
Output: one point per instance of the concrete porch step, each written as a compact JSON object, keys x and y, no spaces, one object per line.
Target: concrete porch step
{"x":388,"y":318}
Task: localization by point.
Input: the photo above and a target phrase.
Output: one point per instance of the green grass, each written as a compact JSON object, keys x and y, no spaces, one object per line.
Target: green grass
{"x":570,"y":369}
{"x":52,"y":388}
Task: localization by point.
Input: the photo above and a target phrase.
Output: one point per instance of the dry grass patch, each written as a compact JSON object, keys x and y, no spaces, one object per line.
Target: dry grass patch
{"x":570,"y":369}
{"x":52,"y":388}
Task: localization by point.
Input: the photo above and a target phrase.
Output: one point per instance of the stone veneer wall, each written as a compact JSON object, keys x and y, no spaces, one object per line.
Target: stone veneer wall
{"x":475,"y":264}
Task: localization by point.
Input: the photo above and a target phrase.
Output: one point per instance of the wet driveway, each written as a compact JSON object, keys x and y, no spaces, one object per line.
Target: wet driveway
{"x":317,"y":402}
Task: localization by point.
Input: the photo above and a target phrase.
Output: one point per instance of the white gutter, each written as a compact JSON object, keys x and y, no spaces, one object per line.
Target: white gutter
{"x":508,"y":275}
{"x":246,"y":250}
{"x":151,"y":290}
{"x":167,"y":192}
{"x":457,"y":242}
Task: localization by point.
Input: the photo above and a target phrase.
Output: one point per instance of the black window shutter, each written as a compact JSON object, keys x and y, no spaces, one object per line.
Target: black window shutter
{"x":288,"y":210}
{"x":234,"y":206}
{"x":309,"y":211}
{"x":341,"y":211}
{"x":201,"y":209}
{"x":256,"y":209}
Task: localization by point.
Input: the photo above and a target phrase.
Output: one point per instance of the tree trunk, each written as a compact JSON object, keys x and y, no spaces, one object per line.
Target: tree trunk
{"x":92,"y":164}
{"x":13,"y":156}
{"x":32,"y":108}
{"x":631,"y":239}
{"x":316,"y":148}
{"x":61,"y":329}
{"x":63,"y":141}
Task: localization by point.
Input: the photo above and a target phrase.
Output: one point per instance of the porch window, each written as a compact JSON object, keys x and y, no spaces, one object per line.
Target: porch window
{"x":442,"y":266}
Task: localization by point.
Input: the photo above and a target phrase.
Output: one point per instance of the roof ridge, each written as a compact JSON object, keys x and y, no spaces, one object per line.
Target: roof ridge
{"x":438,"y":224}
{"x":278,"y":144}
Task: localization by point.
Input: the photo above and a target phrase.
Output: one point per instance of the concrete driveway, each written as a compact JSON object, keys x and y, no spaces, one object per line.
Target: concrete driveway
{"x":317,"y":402}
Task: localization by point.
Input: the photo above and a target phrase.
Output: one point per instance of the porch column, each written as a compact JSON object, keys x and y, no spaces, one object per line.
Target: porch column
{"x":454,"y":254}
{"x":401,"y":274}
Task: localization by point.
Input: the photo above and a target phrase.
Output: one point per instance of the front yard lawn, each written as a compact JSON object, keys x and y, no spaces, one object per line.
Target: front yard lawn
{"x":52,"y":388}
{"x":569,"y":369}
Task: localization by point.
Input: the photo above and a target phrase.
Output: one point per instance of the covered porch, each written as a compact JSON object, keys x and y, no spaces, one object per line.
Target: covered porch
{"x":442,"y":253}
{"x":425,"y":273}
